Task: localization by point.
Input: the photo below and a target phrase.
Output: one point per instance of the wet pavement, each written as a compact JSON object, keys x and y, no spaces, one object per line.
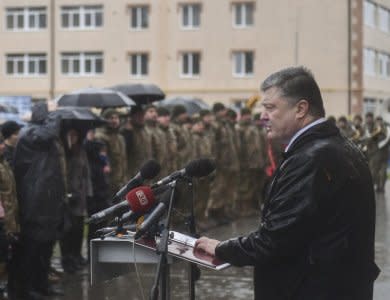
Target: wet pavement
{"x":231,"y":283}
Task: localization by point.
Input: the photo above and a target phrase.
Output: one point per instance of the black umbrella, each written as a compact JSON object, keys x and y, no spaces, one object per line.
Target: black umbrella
{"x":95,"y":97}
{"x":141,"y":93}
{"x":78,"y":117}
{"x":193,"y":105}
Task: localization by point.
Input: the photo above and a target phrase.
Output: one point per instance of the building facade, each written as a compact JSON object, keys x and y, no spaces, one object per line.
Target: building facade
{"x":217,"y":50}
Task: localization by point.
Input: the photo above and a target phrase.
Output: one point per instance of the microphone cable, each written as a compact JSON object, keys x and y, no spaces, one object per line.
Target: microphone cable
{"x":137,"y":273}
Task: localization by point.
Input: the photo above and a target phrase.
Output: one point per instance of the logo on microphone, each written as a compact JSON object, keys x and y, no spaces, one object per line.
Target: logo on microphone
{"x":143,"y":200}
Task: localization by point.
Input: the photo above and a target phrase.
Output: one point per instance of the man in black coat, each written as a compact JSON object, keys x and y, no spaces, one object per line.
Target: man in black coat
{"x":316,"y":238}
{"x":40,"y":183}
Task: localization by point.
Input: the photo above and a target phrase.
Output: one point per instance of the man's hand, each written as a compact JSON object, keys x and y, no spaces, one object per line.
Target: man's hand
{"x":207,"y":245}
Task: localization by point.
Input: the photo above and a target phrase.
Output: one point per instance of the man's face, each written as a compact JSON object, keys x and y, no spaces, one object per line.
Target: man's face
{"x":113,"y":121}
{"x":151,"y":114}
{"x":13,"y":139}
{"x":279,"y":116}
{"x":208,"y":119}
{"x":138,"y":118}
{"x":164,"y":120}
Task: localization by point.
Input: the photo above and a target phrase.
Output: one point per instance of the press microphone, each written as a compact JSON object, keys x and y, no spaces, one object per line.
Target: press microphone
{"x":148,"y":171}
{"x":196,"y":168}
{"x":155,"y":215}
{"x":139,"y":200}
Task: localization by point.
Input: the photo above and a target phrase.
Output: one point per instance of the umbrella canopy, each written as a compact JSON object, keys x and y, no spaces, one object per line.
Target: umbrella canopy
{"x":95,"y":97}
{"x":141,"y":93}
{"x":193,"y":105}
{"x":78,"y":117}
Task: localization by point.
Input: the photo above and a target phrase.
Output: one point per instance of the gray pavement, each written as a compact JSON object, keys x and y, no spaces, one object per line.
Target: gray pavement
{"x":232,"y":283}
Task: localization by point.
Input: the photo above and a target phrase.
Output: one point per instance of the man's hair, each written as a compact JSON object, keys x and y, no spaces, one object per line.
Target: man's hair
{"x":295,"y":84}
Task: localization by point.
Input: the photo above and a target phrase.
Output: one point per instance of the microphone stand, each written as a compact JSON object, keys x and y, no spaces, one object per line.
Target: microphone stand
{"x":162,"y":250}
{"x":193,"y":272}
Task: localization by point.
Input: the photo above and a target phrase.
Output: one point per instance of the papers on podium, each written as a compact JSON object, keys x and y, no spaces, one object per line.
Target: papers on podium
{"x":182,"y":247}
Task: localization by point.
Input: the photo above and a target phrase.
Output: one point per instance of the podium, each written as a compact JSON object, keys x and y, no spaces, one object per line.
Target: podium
{"x":111,"y":256}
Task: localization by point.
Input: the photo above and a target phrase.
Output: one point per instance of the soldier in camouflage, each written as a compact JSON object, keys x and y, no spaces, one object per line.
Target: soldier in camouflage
{"x":116,"y":149}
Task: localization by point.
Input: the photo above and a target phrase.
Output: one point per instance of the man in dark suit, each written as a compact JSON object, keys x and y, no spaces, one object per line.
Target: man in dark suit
{"x":316,"y":238}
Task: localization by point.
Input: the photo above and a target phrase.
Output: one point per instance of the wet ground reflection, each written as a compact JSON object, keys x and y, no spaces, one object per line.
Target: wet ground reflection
{"x":232,"y":283}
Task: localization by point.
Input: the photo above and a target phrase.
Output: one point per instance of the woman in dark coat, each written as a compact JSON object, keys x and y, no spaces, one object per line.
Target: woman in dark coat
{"x":78,"y":180}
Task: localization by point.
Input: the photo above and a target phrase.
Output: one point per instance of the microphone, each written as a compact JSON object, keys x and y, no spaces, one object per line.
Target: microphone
{"x":155,"y":215}
{"x":196,"y":168}
{"x":139,"y":199}
{"x":148,"y":171}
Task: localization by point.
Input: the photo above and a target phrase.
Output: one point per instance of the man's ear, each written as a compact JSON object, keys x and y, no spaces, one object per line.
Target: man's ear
{"x":302,"y":108}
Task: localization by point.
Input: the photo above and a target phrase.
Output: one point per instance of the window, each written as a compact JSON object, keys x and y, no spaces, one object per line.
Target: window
{"x":243,"y":14}
{"x":139,"y":17}
{"x":190,"y":16}
{"x":383,"y":19}
{"x":139,"y":64}
{"x":82,"y":17}
{"x":369,"y":13}
{"x":243,"y":63}
{"x":82,"y":64}
{"x":369,"y":62}
{"x":383,"y":60}
{"x":26,"y":64}
{"x":26,"y":19}
{"x":190,"y":66}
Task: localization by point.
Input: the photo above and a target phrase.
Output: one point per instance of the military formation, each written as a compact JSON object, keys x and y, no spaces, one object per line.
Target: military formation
{"x":372,"y":135}
{"x":174,"y":138}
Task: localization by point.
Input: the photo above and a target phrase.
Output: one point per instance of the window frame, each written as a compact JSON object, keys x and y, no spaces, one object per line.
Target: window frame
{"x":191,"y":16}
{"x":26,"y":59}
{"x":25,"y":13}
{"x":190,"y":61}
{"x":370,"y":14}
{"x":138,"y":64}
{"x":83,"y":12}
{"x":369,"y":67}
{"x":244,"y":14}
{"x":243,"y":57}
{"x":82,"y":59}
{"x":139,"y":17}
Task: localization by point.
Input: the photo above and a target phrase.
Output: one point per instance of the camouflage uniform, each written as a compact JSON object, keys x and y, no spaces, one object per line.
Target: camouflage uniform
{"x":373,"y":135}
{"x":252,"y":157}
{"x":158,"y":144}
{"x":224,"y":187}
{"x":8,"y":197}
{"x":116,"y":152}
{"x":138,"y":148}
{"x":169,"y":164}
{"x":201,"y":147}
{"x":183,"y":139}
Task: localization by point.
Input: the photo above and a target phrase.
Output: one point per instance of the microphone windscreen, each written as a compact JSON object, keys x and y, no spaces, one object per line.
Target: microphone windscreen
{"x":200,"y":167}
{"x":140,"y":199}
{"x":150,"y":169}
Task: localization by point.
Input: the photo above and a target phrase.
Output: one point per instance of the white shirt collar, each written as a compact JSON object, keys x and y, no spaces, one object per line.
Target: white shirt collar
{"x":302,"y":130}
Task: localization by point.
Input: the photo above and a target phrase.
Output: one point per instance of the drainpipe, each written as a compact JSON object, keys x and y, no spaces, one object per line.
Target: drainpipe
{"x":349,"y":65}
{"x":52,"y":49}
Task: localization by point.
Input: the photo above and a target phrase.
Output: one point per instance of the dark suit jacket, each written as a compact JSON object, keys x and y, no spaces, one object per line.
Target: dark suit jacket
{"x":316,"y":238}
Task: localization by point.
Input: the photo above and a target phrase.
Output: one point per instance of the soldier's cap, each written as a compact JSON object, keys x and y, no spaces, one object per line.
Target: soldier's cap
{"x":149,"y":106}
{"x":196,"y":118}
{"x":109,"y":112}
{"x":218,"y":107}
{"x":369,"y":114}
{"x":245,"y":111}
{"x":162,"y":111}
{"x":257,"y":116}
{"x":136,"y":109}
{"x":343,"y":119}
{"x":177,"y":110}
{"x":9,"y":128}
{"x":204,"y":112}
{"x":231,"y":113}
